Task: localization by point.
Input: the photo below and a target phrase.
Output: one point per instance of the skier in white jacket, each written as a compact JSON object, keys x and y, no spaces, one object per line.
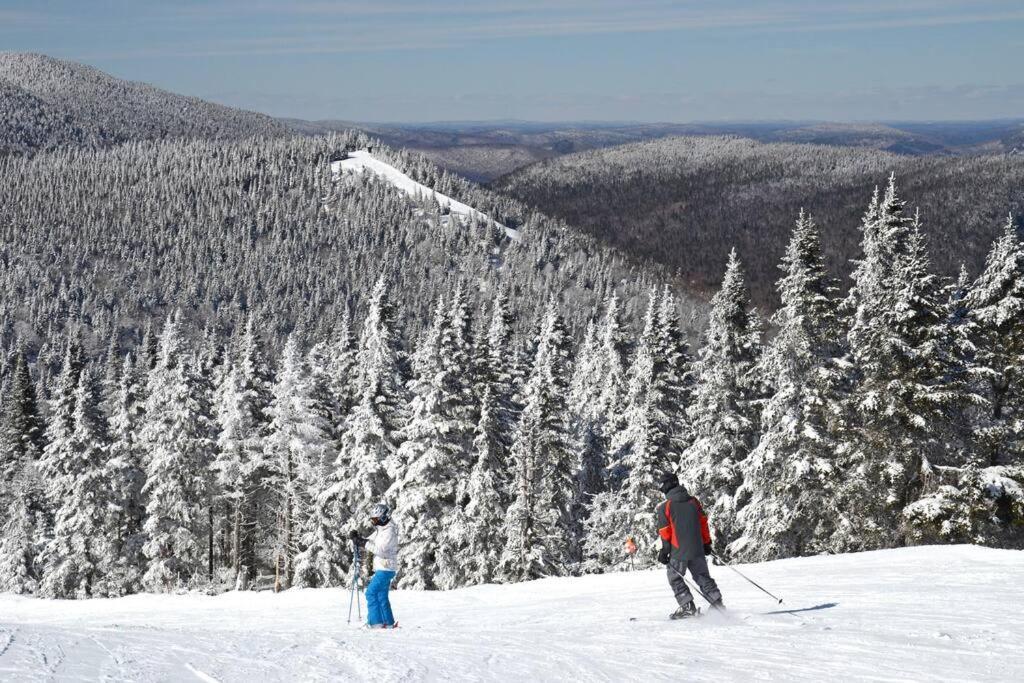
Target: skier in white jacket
{"x":383,"y":543}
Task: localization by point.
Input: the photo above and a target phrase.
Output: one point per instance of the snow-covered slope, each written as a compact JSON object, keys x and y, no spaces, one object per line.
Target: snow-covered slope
{"x":930,"y":613}
{"x":361,"y":161}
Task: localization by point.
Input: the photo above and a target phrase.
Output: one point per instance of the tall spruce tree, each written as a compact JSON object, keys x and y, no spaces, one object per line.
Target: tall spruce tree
{"x":297,"y":448}
{"x":996,"y":306}
{"x":642,"y":450}
{"x":243,"y":400}
{"x":597,"y":395}
{"x":790,"y":477}
{"x":21,"y":488}
{"x":900,"y":401}
{"x":127,"y":474}
{"x":78,"y":556}
{"x":370,"y":435}
{"x":538,"y":526}
{"x":176,"y":435}
{"x":22,"y":437}
{"x":434,"y":454}
{"x":723,"y":413}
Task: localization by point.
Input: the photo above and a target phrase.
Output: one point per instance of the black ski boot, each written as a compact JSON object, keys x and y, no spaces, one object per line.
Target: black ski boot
{"x":685,"y":611}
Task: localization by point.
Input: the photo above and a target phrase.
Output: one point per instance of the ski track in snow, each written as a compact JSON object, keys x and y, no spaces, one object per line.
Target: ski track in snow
{"x":361,"y":160}
{"x":929,"y":613}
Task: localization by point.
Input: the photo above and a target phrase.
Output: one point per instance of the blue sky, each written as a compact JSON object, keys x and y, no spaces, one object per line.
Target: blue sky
{"x":640,"y":60}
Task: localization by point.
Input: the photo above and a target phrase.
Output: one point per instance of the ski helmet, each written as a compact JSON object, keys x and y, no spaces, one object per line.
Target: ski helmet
{"x":668,"y":481}
{"x":380,"y":513}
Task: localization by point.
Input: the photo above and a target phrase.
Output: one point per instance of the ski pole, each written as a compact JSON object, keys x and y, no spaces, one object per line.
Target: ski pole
{"x":754,"y":583}
{"x":355,"y":582}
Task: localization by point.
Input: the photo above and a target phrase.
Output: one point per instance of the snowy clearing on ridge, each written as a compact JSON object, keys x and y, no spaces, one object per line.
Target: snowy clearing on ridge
{"x":928,"y":613}
{"x":362,"y":160}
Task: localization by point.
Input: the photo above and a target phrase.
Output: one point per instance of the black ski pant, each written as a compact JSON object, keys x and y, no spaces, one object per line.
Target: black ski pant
{"x":698,"y":567}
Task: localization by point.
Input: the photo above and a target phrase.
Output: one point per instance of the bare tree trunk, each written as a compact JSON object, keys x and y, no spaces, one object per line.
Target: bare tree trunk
{"x":209,"y":539}
{"x":236,"y":545}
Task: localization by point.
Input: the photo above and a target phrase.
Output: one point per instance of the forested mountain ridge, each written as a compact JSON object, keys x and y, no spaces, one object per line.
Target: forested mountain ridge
{"x":48,"y":102}
{"x":109,"y":239}
{"x":687,"y":201}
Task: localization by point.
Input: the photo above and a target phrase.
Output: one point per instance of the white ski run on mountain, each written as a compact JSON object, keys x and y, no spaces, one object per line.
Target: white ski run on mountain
{"x":926,"y":613}
{"x":362,"y":160}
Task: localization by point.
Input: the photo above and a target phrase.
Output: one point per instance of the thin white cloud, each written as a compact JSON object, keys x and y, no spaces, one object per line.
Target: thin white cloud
{"x":314,"y":27}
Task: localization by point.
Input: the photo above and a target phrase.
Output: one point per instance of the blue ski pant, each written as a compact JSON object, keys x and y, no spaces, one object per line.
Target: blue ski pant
{"x":378,"y":606}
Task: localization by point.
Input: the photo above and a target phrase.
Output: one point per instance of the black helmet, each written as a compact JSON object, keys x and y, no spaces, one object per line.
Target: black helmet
{"x":668,"y":481}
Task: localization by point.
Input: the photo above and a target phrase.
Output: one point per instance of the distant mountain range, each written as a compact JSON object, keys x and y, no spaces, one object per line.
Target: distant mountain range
{"x":47,"y":103}
{"x":483,"y":151}
{"x":680,"y":194}
{"x":686,"y":201}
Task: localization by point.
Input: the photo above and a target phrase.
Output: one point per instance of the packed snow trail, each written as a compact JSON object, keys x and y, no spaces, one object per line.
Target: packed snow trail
{"x":361,"y":161}
{"x":930,"y":613}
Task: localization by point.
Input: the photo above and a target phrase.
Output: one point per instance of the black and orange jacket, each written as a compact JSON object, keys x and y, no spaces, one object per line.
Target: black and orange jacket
{"x":683,"y":525}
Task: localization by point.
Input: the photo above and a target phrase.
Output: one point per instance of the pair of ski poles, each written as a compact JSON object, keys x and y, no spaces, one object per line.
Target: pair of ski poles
{"x":355,"y":585}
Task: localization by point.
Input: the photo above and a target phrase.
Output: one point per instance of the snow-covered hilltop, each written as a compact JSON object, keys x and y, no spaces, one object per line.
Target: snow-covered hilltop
{"x":362,"y":160}
{"x":926,"y":613}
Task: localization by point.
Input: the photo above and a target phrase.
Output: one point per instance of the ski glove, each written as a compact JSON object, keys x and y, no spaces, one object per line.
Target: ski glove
{"x":707,"y":549}
{"x":663,"y":554}
{"x":357,"y":539}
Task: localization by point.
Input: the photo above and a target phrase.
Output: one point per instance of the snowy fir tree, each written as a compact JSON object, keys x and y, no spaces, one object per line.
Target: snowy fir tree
{"x":22,"y":436}
{"x":539,"y":524}
{"x":902,"y":392}
{"x":298,"y":447}
{"x":486,"y":497}
{"x":370,"y":434}
{"x":597,"y":395}
{"x":788,"y":480}
{"x":341,"y":370}
{"x":435,"y":451}
{"x":58,"y":452}
{"x":723,"y":413}
{"x":21,"y":488}
{"x":243,"y":400}
{"x":996,"y":306}
{"x":77,"y":559}
{"x":177,"y":436}
{"x":642,"y":448}
{"x":126,"y":473}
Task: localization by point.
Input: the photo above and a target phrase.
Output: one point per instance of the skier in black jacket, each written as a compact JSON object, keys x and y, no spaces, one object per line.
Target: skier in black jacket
{"x":685,"y":541}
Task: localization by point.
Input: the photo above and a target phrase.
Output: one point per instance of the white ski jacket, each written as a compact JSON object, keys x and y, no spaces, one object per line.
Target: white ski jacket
{"x":383,"y":543}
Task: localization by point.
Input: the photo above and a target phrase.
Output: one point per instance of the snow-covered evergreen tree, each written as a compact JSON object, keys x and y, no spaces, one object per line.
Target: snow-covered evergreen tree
{"x":297,"y":448}
{"x":176,"y":436}
{"x":21,"y":488}
{"x":597,"y":400}
{"x":538,"y":525}
{"x":789,"y":478}
{"x":996,"y":305}
{"x":435,"y":454}
{"x":370,"y":435}
{"x":58,"y":453}
{"x":977,"y":496}
{"x":905,"y":390}
{"x":22,"y":437}
{"x":487,"y":497}
{"x":78,"y":557}
{"x":723,"y":413}
{"x":127,"y":475}
{"x":341,"y":370}
{"x":643,"y":451}
{"x":243,"y":400}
